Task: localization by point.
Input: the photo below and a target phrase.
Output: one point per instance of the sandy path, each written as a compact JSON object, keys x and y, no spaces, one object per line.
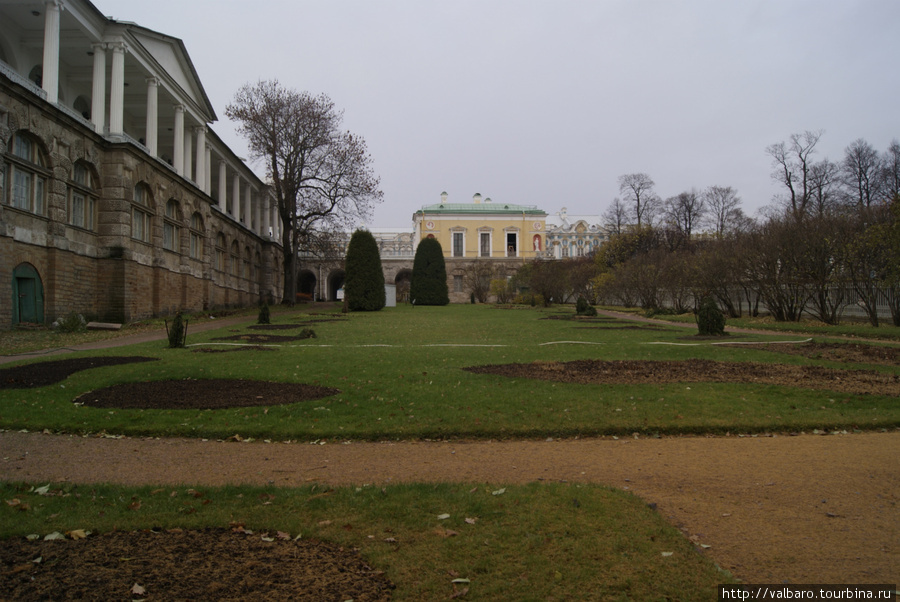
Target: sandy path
{"x":805,"y":509}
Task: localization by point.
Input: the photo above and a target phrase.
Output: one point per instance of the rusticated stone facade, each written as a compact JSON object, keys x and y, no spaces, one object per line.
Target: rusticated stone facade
{"x":187,"y":256}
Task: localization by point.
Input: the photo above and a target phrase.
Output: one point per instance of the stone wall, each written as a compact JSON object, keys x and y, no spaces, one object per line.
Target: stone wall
{"x":103,"y":271}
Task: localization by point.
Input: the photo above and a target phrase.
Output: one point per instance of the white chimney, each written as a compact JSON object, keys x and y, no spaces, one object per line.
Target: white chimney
{"x":487,"y":200}
{"x":443,"y":198}
{"x":477,"y":198}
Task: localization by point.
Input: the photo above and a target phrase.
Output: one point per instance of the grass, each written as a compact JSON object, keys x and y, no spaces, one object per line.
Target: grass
{"x":530,"y":542}
{"x":400,"y":373}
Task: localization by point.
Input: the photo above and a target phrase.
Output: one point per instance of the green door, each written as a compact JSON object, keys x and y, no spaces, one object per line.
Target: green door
{"x":28,"y":295}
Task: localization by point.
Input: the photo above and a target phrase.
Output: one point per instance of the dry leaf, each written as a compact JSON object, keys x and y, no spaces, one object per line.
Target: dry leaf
{"x":77,"y":534}
{"x":471,"y":521}
{"x":137,"y":590}
{"x":443,"y":516}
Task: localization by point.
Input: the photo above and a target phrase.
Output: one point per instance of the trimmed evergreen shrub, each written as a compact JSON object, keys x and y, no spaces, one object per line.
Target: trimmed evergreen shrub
{"x":178,"y":332}
{"x":584,"y":308}
{"x":73,"y":322}
{"x":710,"y":319}
{"x":429,"y":277}
{"x":263,"y":314}
{"x":364,"y":280}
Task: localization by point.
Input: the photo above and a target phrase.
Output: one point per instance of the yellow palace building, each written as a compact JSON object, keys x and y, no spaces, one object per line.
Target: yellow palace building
{"x":483,"y":229}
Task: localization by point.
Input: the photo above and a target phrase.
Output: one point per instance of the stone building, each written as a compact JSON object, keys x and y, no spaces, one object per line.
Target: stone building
{"x":116,"y":198}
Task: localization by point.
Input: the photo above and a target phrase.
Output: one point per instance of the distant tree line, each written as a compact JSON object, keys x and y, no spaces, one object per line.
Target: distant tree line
{"x":831,"y":237}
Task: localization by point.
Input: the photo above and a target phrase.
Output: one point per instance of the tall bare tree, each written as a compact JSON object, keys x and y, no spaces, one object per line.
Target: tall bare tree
{"x":684,"y":211}
{"x":824,"y":181}
{"x":890,"y":172}
{"x":637,"y":189}
{"x":722,"y":208}
{"x":320,"y":174}
{"x":615,"y":218}
{"x":793,"y":164}
{"x":860,"y":172}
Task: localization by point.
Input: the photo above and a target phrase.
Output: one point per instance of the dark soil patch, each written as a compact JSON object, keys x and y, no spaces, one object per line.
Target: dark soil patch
{"x":623,"y":372}
{"x":256,"y":339}
{"x":273,"y":326}
{"x":201,"y":394}
{"x":854,"y":353}
{"x":42,"y":374}
{"x":630,"y":327}
{"x":211,"y":564}
{"x":232,"y":349}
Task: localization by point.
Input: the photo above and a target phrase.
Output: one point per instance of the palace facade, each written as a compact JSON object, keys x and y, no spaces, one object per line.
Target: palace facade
{"x":117,"y":200}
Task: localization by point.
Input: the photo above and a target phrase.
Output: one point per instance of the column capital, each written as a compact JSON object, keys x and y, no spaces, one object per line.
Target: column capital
{"x":152,"y":80}
{"x":117,"y":46}
{"x":97,"y":46}
{"x":179,"y":108}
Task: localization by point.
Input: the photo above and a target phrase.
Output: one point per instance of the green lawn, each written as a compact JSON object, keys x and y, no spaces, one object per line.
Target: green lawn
{"x":400,"y":372}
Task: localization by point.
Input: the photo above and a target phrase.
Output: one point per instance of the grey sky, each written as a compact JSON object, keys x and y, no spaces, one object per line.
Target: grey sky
{"x":547,"y":103}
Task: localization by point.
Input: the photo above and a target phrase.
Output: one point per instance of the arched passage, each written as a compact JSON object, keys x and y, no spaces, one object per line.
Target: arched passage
{"x":402,"y":280}
{"x":306,"y":283}
{"x":28,"y":295}
{"x":335,"y":282}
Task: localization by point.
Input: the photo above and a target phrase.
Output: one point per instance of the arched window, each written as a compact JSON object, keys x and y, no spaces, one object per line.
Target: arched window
{"x":140,"y":213}
{"x":220,"y":252}
{"x":197,"y":236}
{"x":246,"y":269}
{"x":82,"y":205}
{"x":28,"y":174}
{"x":170,"y":226}
{"x":235,"y":258}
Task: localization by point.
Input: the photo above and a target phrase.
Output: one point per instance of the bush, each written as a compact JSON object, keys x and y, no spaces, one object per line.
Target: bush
{"x":264,"y":317}
{"x":364,"y":282}
{"x":429,"y":277}
{"x":584,"y":308}
{"x":178,"y":332}
{"x":73,"y":322}
{"x":710,"y":319}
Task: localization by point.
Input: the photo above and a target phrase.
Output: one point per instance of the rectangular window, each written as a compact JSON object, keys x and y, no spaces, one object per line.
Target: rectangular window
{"x":170,"y":236}
{"x":78,"y":209}
{"x":511,"y":244}
{"x":457,"y":284}
{"x":140,"y":226}
{"x":458,"y":244}
{"x":89,"y":214}
{"x":485,"y":244}
{"x":39,"y":195}
{"x":21,"y":190}
{"x":195,"y":245}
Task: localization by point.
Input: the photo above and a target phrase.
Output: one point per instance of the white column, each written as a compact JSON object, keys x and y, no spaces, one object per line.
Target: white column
{"x":178,"y":150}
{"x":98,"y":95}
{"x":256,"y":213}
{"x":263,"y":204}
{"x":236,"y":197}
{"x":207,"y":169}
{"x":247,"y":201}
{"x":275,"y":220}
{"x":188,"y":154}
{"x":200,"y":166}
{"x":223,"y":186}
{"x":152,"y":114}
{"x":50,"y":78}
{"x":117,"y":90}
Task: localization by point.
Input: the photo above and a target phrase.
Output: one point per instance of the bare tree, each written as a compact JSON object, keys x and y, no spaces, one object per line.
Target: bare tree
{"x":637,"y":189}
{"x":793,"y":164}
{"x":321,"y":176}
{"x":890,"y":172}
{"x":615,"y":218}
{"x":824,"y":178}
{"x":722,"y":208}
{"x":684,"y":212}
{"x":860,"y":172}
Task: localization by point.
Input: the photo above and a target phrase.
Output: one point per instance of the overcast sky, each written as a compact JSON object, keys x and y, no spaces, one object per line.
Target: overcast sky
{"x":548,"y":103}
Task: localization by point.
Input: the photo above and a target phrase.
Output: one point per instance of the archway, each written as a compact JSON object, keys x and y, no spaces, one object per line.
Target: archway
{"x":28,"y":295}
{"x":335,"y":283}
{"x":306,"y":283}
{"x":402,"y":281}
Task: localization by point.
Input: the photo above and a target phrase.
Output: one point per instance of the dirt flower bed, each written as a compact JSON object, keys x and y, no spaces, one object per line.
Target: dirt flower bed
{"x":624,"y":372}
{"x":42,"y":374}
{"x":853,"y":353}
{"x":208,"y":394}
{"x":256,"y":339}
{"x":212,"y":564}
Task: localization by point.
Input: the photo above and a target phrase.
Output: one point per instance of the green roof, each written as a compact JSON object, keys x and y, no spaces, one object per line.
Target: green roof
{"x":495,"y":208}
